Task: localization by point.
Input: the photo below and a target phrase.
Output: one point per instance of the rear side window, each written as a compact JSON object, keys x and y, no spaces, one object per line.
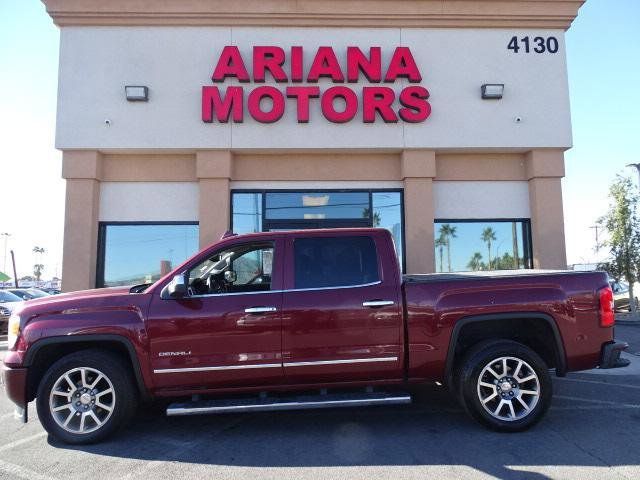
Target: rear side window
{"x":335,"y":262}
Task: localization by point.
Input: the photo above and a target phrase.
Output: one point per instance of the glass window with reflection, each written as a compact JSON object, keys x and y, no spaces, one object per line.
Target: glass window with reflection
{"x":476,"y":245}
{"x":247,"y":212}
{"x":138,"y":253}
{"x":316,"y":205}
{"x":241,"y":268}
{"x":387,"y":213}
{"x":297,"y":210}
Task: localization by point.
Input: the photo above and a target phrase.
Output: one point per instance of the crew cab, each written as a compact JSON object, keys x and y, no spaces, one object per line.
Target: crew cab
{"x":306,"y":319}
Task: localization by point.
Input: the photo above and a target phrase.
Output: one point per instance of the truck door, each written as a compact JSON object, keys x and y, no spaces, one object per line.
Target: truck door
{"x":227,"y":331}
{"x":341,"y":310}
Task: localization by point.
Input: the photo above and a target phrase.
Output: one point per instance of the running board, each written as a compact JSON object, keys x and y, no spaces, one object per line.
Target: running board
{"x":302,"y":402}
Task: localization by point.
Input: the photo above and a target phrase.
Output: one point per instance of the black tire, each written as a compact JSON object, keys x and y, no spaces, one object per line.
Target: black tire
{"x":123,"y":399}
{"x":484,"y":355}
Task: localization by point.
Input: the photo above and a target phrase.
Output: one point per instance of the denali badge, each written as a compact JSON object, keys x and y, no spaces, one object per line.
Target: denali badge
{"x":174,"y":354}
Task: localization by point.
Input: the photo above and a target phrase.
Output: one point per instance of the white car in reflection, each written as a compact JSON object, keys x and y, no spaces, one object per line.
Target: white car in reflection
{"x":8,"y":303}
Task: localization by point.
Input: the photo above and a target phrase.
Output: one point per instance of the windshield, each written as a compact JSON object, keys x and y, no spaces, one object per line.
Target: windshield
{"x":8,"y":297}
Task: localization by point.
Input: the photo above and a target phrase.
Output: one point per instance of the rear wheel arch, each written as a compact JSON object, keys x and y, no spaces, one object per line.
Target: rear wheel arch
{"x":43,"y":353}
{"x":469,"y":331}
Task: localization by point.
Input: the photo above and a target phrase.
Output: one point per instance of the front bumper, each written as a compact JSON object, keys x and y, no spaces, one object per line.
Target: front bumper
{"x":15,"y":386}
{"x":610,"y":355}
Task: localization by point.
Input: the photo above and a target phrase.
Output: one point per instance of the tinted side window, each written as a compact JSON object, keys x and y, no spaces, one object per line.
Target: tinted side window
{"x":333,"y":262}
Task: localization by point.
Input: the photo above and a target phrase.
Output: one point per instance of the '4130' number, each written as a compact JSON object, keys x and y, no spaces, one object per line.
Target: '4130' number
{"x":535,"y":44}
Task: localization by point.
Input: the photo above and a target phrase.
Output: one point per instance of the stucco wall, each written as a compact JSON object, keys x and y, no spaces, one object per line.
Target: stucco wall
{"x":175,"y":62}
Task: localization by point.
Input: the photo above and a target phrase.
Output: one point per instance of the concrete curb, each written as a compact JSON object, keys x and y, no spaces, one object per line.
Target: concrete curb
{"x":627,"y":322}
{"x":627,"y":319}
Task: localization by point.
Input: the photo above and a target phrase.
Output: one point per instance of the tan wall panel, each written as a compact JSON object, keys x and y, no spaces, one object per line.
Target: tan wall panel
{"x":544,"y":163}
{"x":214,"y":209}
{"x":489,"y":166}
{"x":81,"y":164}
{"x":401,"y":13}
{"x":418,"y":163}
{"x":80,"y":234}
{"x":149,"y":168}
{"x":547,"y":223}
{"x":317,"y":167}
{"x":214,"y":163}
{"x":418,"y":226}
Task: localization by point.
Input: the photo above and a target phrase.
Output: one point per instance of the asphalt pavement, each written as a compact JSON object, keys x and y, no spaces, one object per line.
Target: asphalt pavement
{"x":590,"y":432}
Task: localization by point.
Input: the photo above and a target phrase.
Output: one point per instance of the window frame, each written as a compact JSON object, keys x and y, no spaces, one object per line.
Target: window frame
{"x":102,"y":235}
{"x":527,"y":244}
{"x":331,"y":223}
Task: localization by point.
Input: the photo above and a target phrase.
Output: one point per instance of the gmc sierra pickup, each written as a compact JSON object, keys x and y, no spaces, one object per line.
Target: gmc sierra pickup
{"x":307,"y":319}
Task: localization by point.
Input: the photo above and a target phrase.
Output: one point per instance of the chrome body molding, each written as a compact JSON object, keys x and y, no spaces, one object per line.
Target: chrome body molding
{"x":338,"y":362}
{"x":222,"y":367}
{"x":274,"y":365}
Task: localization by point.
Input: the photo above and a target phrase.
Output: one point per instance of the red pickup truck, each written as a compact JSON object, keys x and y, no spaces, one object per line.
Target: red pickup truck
{"x":308,"y":319}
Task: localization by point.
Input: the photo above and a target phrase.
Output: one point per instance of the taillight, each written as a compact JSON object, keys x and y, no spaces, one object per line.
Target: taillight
{"x":607,"y":316}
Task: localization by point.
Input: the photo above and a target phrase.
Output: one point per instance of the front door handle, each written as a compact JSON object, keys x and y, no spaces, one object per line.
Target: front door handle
{"x":260,"y":309}
{"x":377,"y":303}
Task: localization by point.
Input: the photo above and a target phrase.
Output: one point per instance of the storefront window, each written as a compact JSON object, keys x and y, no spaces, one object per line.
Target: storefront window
{"x":294,"y":210}
{"x":132,"y":254}
{"x":387,"y":213}
{"x":474,"y":245}
{"x":247,"y":212}
{"x":316,"y":205}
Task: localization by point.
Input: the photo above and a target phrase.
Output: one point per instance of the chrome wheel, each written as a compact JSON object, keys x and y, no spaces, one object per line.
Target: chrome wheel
{"x":82,"y":400}
{"x":508,"y":388}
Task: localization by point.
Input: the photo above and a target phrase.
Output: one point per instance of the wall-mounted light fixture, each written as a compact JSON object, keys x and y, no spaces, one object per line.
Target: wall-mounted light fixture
{"x":492,"y":91}
{"x":137,"y":93}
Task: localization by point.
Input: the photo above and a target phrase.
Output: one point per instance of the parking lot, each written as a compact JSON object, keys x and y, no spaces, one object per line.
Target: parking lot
{"x":591,"y":431}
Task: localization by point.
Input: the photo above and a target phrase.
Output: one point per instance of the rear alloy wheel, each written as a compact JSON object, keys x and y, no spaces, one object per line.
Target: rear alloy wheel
{"x":504,"y":385}
{"x":85,"y":396}
{"x":508,"y":388}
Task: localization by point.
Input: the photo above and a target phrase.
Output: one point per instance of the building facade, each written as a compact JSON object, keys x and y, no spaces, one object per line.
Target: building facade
{"x":444,"y":121}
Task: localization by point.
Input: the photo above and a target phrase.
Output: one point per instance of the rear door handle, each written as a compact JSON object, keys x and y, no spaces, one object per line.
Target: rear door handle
{"x":260,"y":309}
{"x":377,"y":303}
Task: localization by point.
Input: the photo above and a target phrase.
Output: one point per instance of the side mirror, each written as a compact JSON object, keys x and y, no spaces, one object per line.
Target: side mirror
{"x":230,"y":276}
{"x":176,"y":288}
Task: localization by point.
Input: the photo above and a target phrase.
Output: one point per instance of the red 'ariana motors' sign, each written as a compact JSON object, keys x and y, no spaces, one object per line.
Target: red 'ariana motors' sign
{"x":376,"y":101}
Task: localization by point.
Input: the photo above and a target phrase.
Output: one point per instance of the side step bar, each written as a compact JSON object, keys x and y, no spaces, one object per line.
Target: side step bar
{"x":301,"y":402}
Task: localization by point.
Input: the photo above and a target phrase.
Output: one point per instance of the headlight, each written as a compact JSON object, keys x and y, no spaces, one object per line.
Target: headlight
{"x":13,"y":330}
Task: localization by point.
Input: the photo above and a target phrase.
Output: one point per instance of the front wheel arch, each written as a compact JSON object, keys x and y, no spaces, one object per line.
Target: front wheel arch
{"x":43,"y":353}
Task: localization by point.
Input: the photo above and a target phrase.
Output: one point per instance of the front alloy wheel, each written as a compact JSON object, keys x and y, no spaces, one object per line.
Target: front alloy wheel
{"x":86,"y":396}
{"x":82,"y":400}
